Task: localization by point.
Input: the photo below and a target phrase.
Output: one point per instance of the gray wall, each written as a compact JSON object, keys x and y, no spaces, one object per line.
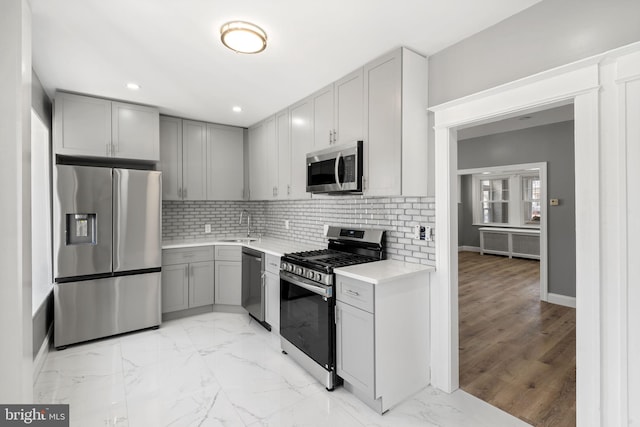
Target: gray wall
{"x":553,"y":144}
{"x":547,"y":35}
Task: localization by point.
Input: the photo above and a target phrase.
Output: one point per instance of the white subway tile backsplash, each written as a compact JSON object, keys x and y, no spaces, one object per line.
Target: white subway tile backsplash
{"x":306,"y":220}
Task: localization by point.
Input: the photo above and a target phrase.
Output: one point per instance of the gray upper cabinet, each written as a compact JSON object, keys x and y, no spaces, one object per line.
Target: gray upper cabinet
{"x":82,"y":125}
{"x":194,"y":158}
{"x":135,"y":131}
{"x":171,"y":157}
{"x":396,"y":147}
{"x":283,"y":124}
{"x":323,"y":130}
{"x":349,"y":108}
{"x":301,"y":143}
{"x":85,"y":126}
{"x":201,"y":161}
{"x":263,"y":158}
{"x":225,"y":171}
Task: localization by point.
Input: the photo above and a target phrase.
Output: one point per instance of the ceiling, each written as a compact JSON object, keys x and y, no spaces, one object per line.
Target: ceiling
{"x":520,"y":120}
{"x":171,"y":48}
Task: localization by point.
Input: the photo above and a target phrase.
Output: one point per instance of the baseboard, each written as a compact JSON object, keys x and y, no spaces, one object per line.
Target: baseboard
{"x":468,"y":249}
{"x":561,"y":300}
{"x":38,"y":362}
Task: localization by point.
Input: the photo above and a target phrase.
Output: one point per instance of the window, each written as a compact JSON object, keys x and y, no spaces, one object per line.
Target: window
{"x":531,"y":199}
{"x":494,"y":198}
{"x":510,"y":199}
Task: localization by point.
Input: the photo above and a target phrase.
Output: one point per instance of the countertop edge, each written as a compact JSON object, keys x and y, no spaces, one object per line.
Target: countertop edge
{"x":378,"y":278}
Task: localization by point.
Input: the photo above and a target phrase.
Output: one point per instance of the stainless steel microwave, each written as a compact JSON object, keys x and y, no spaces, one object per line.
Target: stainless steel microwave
{"x":336,"y":169}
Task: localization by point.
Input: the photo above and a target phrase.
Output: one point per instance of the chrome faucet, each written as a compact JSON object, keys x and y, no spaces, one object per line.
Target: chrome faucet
{"x":248,"y":221}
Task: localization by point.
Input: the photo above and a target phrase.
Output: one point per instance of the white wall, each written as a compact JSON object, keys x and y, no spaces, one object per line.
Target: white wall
{"x":40,"y":212}
{"x":16,"y":384}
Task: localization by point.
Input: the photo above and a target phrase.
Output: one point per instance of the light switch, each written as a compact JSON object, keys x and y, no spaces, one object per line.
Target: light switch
{"x":554,"y":202}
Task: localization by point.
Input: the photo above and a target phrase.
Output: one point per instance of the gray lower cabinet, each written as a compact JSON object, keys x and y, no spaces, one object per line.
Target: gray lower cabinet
{"x":272,"y":292}
{"x":382,"y":337}
{"x":355,"y":349}
{"x":187,"y":278}
{"x":228,"y":276}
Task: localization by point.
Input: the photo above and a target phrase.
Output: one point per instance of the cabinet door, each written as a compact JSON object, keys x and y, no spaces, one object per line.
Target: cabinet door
{"x":382,"y":150}
{"x":323,"y":118}
{"x":175,"y":287}
{"x":82,"y":125}
{"x":271,"y":159}
{"x":355,"y":347}
{"x":194,"y":160}
{"x":228,"y":282}
{"x":135,"y":130}
{"x":272,"y":301}
{"x":225,"y":171}
{"x":301,"y":144}
{"x":349,"y":107}
{"x":284,"y":154}
{"x":201,"y":283}
{"x":257,"y":163}
{"x":171,"y":157}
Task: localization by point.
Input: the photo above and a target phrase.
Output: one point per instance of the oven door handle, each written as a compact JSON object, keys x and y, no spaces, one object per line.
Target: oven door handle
{"x":305,"y":284}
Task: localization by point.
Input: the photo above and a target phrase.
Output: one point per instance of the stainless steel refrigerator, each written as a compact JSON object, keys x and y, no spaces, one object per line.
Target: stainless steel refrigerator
{"x":107,"y":251}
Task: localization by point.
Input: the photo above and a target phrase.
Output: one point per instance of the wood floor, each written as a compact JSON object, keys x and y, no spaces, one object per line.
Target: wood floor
{"x":516,"y":352}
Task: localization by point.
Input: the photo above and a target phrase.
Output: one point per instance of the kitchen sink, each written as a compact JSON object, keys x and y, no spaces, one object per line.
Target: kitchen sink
{"x":239,"y":239}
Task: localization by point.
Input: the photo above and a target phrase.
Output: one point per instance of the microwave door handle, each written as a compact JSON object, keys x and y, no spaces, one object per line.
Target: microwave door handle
{"x":337,"y":169}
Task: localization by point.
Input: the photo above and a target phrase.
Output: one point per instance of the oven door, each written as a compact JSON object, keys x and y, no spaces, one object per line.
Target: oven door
{"x":307,"y":318}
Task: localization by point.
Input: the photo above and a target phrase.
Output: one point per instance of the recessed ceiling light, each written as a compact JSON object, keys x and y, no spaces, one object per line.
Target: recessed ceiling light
{"x":237,"y":109}
{"x":133,"y":86}
{"x":524,"y":118}
{"x":243,"y":37}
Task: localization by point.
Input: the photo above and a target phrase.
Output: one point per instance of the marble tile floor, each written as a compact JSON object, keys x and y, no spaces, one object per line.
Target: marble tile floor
{"x":223,"y":369}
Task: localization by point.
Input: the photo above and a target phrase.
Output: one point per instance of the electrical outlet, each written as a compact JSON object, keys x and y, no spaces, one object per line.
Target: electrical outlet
{"x":427,"y":234}
{"x":416,"y":232}
{"x":286,"y":224}
{"x":207,"y":228}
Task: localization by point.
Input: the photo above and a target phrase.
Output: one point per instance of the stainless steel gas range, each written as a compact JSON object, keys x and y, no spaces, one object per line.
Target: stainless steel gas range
{"x":307,"y":297}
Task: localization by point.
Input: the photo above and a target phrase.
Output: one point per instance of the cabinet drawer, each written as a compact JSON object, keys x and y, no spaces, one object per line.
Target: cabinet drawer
{"x":228,"y":253}
{"x":272,"y":264}
{"x":355,"y":292}
{"x":186,"y":255}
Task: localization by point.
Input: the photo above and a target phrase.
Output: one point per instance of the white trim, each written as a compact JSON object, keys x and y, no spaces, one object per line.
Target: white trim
{"x":469,"y":249}
{"x":578,"y":82}
{"x":561,"y":300}
{"x":40,"y":358}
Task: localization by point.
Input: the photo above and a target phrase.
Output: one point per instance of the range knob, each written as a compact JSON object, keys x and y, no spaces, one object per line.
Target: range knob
{"x":283,"y":266}
{"x":319,"y":277}
{"x":310,"y":274}
{"x":299,"y":271}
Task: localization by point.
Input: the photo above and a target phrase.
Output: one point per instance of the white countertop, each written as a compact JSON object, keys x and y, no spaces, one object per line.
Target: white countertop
{"x":277,"y":247}
{"x":383,"y":271}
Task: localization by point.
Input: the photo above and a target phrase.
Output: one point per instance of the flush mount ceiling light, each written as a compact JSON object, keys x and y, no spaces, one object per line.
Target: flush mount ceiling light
{"x":133,"y":86}
{"x":237,"y":109}
{"x":243,"y":37}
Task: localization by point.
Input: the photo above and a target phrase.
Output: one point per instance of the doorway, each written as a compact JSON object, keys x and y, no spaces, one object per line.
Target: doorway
{"x":516,"y":350}
{"x":577,"y":84}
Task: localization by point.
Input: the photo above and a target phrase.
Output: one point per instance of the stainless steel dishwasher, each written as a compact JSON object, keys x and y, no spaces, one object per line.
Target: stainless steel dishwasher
{"x":253,"y":284}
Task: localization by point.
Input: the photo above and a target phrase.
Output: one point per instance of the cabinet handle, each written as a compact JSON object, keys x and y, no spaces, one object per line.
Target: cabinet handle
{"x":288,"y":189}
{"x":179,"y":193}
{"x":184,"y":193}
{"x":354,"y":293}
{"x":114,"y":149}
{"x":330,"y":137}
{"x":335,"y":136}
{"x":186,"y":272}
{"x":108,"y":149}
